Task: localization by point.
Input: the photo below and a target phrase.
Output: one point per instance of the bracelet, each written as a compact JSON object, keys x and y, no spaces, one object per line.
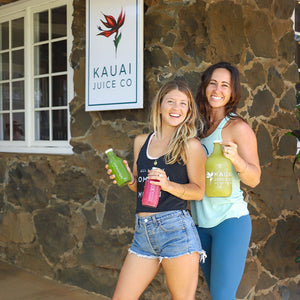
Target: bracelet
{"x":132,"y":182}
{"x":184,"y":190}
{"x":245,"y":168}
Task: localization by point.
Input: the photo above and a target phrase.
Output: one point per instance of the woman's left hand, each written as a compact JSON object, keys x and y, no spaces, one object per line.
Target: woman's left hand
{"x":230,"y":150}
{"x":158,"y":177}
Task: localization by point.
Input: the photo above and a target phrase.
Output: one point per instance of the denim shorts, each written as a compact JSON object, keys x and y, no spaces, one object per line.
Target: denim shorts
{"x":166,"y":235}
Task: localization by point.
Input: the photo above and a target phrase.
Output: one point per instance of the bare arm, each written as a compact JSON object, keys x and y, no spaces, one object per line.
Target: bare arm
{"x":240,"y":146}
{"x":138,"y":143}
{"x":194,"y":190}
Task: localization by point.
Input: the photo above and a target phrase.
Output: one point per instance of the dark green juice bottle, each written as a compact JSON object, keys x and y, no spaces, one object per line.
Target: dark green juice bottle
{"x":218,"y":173}
{"x":115,"y":163}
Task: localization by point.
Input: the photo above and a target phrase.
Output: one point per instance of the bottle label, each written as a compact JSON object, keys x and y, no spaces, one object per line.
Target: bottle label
{"x":219,"y":177}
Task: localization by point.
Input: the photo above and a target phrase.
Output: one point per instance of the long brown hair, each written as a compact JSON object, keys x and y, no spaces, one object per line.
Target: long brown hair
{"x":231,"y":106}
{"x":186,"y":130}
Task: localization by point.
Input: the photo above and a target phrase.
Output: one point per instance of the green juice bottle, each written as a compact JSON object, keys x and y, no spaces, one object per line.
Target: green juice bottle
{"x":115,"y":163}
{"x":218,"y":173}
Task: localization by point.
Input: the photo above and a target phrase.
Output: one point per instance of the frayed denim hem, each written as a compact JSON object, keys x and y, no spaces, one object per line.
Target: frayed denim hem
{"x":160,"y":258}
{"x":202,"y":256}
{"x":201,"y":259}
{"x":143,"y":256}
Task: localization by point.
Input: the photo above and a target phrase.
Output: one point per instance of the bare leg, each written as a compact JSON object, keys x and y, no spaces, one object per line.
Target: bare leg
{"x":136,"y":274}
{"x":182,"y":275}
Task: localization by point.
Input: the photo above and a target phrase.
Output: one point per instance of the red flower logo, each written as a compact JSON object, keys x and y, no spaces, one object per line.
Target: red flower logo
{"x":113,"y":26}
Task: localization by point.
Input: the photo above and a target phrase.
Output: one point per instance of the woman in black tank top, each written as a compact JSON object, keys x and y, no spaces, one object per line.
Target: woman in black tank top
{"x":166,"y":236}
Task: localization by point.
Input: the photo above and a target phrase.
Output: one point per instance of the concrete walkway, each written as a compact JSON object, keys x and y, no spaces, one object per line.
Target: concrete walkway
{"x":17,"y":284}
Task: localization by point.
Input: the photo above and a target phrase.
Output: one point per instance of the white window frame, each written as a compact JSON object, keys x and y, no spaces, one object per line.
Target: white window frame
{"x":27,"y":9}
{"x":298,"y":34}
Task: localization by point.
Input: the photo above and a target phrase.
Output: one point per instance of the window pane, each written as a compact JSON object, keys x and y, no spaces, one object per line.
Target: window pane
{"x":17,"y":39}
{"x":4,"y":96}
{"x":4,"y":44}
{"x":59,"y":122}
{"x":42,"y":125}
{"x":41,"y":92}
{"x":18,"y":94}
{"x":59,"y":56}
{"x":298,"y":53}
{"x":41,"y":56}
{"x":19,"y":127}
{"x":59,"y":22}
{"x":41,"y":27}
{"x":59,"y":90}
{"x":4,"y":66}
{"x":18,"y":64}
{"x":297,"y":16}
{"x":4,"y":125}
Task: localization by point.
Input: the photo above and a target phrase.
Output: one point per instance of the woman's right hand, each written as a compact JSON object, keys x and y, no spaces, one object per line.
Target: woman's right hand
{"x":112,"y":176}
{"x":129,"y":170}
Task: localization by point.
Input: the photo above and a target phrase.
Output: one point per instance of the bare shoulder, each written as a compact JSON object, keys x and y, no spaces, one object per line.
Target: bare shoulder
{"x":195,"y":146}
{"x":194,"y":142}
{"x":238,"y":125}
{"x":141,"y":137}
{"x":238,"y":129}
{"x":140,"y":140}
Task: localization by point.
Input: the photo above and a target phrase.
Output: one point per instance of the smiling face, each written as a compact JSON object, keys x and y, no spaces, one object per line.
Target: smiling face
{"x":218,"y":90}
{"x":174,"y":108}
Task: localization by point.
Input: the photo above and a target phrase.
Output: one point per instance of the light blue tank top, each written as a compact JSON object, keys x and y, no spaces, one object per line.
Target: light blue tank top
{"x":211,"y":211}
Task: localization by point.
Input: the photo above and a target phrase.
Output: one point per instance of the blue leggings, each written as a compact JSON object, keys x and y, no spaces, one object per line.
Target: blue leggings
{"x":226,"y":246}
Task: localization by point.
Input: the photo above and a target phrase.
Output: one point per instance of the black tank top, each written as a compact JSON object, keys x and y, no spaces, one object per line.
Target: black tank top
{"x":176,"y":172}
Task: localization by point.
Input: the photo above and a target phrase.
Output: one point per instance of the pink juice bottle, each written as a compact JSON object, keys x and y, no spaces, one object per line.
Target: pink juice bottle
{"x":151,"y":194}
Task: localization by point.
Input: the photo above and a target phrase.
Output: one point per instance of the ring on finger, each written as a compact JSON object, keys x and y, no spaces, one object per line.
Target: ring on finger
{"x":161,"y":175}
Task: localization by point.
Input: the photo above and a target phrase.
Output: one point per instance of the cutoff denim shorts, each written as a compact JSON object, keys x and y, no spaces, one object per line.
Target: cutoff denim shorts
{"x":166,"y":235}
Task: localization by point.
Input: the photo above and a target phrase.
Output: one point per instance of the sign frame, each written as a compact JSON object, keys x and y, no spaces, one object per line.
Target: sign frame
{"x":114,"y":55}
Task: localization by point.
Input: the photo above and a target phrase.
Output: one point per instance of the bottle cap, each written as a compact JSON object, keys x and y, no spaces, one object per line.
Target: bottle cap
{"x":217,"y":141}
{"x":108,"y":150}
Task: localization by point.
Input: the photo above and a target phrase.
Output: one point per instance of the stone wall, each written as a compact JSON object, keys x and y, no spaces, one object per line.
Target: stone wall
{"x":61,"y":217}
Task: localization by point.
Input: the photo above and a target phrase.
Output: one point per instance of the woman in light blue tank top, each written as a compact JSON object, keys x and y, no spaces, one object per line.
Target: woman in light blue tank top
{"x":223,"y":223}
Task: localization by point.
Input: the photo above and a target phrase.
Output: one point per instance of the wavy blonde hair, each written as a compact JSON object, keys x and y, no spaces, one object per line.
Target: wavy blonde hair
{"x":186,"y":130}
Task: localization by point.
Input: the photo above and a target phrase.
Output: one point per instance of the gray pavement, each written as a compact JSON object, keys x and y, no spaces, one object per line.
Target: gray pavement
{"x":17,"y":284}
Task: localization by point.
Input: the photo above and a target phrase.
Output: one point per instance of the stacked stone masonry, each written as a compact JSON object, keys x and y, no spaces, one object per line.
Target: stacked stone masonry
{"x":61,"y":217}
